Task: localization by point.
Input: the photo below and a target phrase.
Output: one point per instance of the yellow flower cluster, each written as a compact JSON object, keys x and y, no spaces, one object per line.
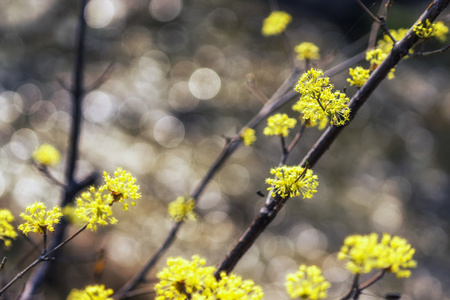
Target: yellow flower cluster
{"x":279,"y":124}
{"x":6,"y":229}
{"x":248,"y":136}
{"x":122,"y":187}
{"x":94,"y":205}
{"x":359,"y":76}
{"x":91,"y":292}
{"x":307,"y":51}
{"x":426,"y":30}
{"x":292,"y":181}
{"x":307,"y":283}
{"x":181,"y":209}
{"x":318,"y":101}
{"x":37,"y":219}
{"x":46,"y":155}
{"x":183,"y":279}
{"x":365,"y":253}
{"x":276,"y":23}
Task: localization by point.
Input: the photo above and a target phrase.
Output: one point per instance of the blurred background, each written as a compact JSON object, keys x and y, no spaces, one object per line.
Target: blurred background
{"x":177,"y":88}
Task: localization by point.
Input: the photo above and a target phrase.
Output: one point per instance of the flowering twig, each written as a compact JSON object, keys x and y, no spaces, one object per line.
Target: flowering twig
{"x":270,"y":210}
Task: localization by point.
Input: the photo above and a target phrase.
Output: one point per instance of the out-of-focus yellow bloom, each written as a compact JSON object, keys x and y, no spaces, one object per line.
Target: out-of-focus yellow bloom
{"x":248,"y":136}
{"x":440,"y":31}
{"x":307,"y":51}
{"x":181,"y":209}
{"x":365,"y":253}
{"x":292,"y":181}
{"x":307,"y":283}
{"x":94,"y":206}
{"x":7,"y":231}
{"x":122,"y":187}
{"x":37,"y":219}
{"x":376,"y":57}
{"x":46,"y":155}
{"x":386,"y":43}
{"x":318,"y":101}
{"x":359,"y":76}
{"x":279,"y":124}
{"x":276,"y":23}
{"x":91,"y":292}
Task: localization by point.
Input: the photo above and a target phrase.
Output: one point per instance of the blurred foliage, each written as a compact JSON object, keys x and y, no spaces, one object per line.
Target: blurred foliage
{"x":177,"y":88}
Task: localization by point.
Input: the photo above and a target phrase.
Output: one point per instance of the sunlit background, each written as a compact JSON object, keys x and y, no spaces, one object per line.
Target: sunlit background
{"x":177,"y":89}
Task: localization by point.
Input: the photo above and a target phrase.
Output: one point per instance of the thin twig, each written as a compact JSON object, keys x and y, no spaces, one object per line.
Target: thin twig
{"x":102,"y":78}
{"x":50,"y":176}
{"x":380,"y":20}
{"x":43,"y":257}
{"x":441,"y":50}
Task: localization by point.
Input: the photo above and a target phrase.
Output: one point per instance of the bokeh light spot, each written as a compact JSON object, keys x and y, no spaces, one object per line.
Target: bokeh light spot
{"x":98,"y":107}
{"x":169,"y":132}
{"x":204,"y":84}
{"x":165,"y":10}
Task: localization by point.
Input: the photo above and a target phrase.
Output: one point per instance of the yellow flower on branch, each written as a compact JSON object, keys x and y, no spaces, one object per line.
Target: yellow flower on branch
{"x":365,"y":253}
{"x":359,"y":76}
{"x":307,"y":51}
{"x":37,"y":219}
{"x":307,"y":283}
{"x":181,"y":209}
{"x":91,"y":292}
{"x":6,"y":229}
{"x":424,"y":30}
{"x":279,"y":124}
{"x":231,"y":287}
{"x":276,"y":23}
{"x":318,"y":101}
{"x":440,"y":31}
{"x":122,"y":187}
{"x":46,"y":155}
{"x":94,"y":206}
{"x":292,"y":181}
{"x":248,"y":136}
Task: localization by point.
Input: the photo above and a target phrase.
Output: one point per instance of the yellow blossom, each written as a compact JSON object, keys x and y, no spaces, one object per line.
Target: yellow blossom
{"x":279,"y":124}
{"x":307,"y":51}
{"x":94,"y":206}
{"x":386,"y":44}
{"x":424,"y":30}
{"x":91,"y":292}
{"x":46,"y":155}
{"x":307,"y":283}
{"x":248,"y":136}
{"x":232,"y":287}
{"x":359,"y":76}
{"x":292,"y":181}
{"x":365,"y":253}
{"x":318,"y":101}
{"x":6,"y":229}
{"x":37,"y":219}
{"x":375,"y":57}
{"x":181,"y":209}
{"x":122,"y":187}
{"x":276,"y":23}
{"x":183,"y":279}
{"x":440,"y":31}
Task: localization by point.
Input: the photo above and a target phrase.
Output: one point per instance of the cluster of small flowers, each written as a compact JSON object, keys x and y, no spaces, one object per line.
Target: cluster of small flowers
{"x":6,"y":229}
{"x":365,"y":253}
{"x":94,"y":206}
{"x":248,"y":136}
{"x":318,"y":102}
{"x":279,"y":124}
{"x":182,"y":209}
{"x":46,"y":155}
{"x":307,"y":283}
{"x":91,"y":292}
{"x":183,"y":279}
{"x":292,"y":181}
{"x":426,"y":30}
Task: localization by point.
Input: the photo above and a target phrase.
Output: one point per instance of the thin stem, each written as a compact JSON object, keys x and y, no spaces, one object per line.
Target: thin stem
{"x":353,"y":288}
{"x":380,"y":20}
{"x":50,"y":176}
{"x":43,"y":257}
